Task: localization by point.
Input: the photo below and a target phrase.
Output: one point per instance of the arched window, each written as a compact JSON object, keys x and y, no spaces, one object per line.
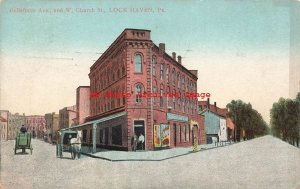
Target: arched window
{"x":154,"y":65}
{"x":138,"y":63}
{"x":138,"y":92}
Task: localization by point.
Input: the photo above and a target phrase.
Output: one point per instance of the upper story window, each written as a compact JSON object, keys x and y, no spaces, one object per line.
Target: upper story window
{"x":138,"y":90}
{"x":182,"y":82}
{"x":161,"y":97}
{"x":173,"y":77}
{"x":138,"y":63}
{"x":178,"y":81}
{"x":161,"y":71}
{"x":187,"y":85}
{"x":153,"y":65}
{"x":154,"y":92}
{"x":167,"y":73}
{"x":123,"y":70}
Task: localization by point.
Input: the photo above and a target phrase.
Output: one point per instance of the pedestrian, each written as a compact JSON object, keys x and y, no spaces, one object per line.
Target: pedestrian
{"x":141,"y":141}
{"x":134,"y":141}
{"x":23,"y":129}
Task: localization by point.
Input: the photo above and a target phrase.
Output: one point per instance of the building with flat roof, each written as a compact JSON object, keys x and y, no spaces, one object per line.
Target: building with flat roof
{"x":136,"y":87}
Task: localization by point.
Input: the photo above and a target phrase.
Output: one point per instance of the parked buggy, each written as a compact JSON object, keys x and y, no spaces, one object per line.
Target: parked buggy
{"x":23,"y":141}
{"x":63,"y":143}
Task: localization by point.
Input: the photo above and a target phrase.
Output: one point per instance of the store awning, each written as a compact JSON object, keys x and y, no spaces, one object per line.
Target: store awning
{"x":100,"y":120}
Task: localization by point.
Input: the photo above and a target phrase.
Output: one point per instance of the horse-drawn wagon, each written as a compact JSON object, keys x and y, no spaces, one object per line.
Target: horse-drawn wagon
{"x":64,"y":143}
{"x":23,"y":141}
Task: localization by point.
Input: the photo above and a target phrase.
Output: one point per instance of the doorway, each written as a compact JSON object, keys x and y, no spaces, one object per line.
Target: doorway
{"x":139,"y":130}
{"x":174,"y":125}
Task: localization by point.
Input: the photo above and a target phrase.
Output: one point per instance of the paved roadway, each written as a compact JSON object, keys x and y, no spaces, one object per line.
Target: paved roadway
{"x":265,"y":162}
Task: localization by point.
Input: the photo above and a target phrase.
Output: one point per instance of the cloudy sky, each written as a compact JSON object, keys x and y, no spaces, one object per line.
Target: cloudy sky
{"x":240,"y":48}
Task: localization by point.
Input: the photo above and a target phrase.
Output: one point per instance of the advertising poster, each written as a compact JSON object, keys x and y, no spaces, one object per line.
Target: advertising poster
{"x":79,"y":64}
{"x":165,"y":135}
{"x":157,"y":136}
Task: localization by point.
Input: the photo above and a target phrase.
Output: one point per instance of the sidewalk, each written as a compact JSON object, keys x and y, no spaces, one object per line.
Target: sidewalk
{"x":159,"y":155}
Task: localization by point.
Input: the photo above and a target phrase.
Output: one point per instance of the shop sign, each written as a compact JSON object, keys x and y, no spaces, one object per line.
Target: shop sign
{"x":175,"y":117}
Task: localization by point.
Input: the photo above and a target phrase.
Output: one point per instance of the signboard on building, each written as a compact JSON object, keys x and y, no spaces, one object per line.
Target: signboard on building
{"x":175,"y":117}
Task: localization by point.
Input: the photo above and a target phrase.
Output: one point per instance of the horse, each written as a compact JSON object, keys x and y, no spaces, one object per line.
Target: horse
{"x":76,"y":145}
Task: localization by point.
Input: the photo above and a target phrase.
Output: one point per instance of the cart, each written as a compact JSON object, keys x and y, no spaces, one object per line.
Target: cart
{"x":63,"y":142}
{"x":23,"y":141}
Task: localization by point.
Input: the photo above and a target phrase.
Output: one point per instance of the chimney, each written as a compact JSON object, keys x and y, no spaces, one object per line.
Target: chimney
{"x":215,"y":104}
{"x":179,"y":59}
{"x":208,"y":105}
{"x":162,"y":47}
{"x":174,"y":55}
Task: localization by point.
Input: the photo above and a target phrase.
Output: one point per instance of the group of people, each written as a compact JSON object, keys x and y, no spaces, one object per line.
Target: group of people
{"x":137,"y":142}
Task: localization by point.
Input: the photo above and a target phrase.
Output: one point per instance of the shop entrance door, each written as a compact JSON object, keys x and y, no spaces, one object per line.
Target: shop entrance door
{"x":174,"y":125}
{"x":139,"y":129}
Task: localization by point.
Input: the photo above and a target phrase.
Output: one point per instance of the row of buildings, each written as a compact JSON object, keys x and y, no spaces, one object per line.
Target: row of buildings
{"x":10,"y":124}
{"x":131,"y":68}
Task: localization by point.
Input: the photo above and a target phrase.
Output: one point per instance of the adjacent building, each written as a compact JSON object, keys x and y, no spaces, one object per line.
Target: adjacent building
{"x":67,"y":117}
{"x":36,"y":124}
{"x":136,"y":87}
{"x":82,"y":104}
{"x":219,"y":127}
{"x":52,"y":126}
{"x":4,"y":125}
{"x":12,"y":123}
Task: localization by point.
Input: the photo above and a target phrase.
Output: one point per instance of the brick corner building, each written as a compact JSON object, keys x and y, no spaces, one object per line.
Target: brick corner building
{"x":136,"y":87}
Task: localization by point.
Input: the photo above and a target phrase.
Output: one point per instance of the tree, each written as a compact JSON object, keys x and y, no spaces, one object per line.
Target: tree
{"x":246,"y":118}
{"x":285,"y":119}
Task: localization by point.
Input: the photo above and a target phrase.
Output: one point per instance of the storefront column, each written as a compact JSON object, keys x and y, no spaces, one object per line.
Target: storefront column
{"x":94,"y":136}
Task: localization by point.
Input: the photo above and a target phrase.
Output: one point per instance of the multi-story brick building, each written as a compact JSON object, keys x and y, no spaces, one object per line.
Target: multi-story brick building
{"x":14,"y":123}
{"x":36,"y":124}
{"x":82,"y":103}
{"x":52,"y":126}
{"x":4,"y":124}
{"x":67,"y":116}
{"x":134,"y":65}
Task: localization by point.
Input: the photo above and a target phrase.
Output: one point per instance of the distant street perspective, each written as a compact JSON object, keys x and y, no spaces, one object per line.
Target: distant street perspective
{"x":264,"y":162}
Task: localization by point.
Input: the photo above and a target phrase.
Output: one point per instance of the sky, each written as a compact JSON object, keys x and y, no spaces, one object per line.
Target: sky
{"x":240,"y":48}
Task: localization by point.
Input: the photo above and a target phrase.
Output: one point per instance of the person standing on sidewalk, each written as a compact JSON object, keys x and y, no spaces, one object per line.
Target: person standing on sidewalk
{"x":134,"y":142}
{"x":141,"y":141}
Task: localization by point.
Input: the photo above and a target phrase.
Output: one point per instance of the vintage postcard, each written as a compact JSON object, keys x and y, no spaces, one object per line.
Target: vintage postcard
{"x":149,"y":94}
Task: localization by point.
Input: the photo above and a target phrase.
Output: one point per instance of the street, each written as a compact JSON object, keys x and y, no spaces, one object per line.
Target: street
{"x":264,"y":162}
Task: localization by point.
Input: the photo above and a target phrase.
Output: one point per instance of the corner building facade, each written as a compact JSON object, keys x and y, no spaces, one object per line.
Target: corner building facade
{"x":148,"y":91}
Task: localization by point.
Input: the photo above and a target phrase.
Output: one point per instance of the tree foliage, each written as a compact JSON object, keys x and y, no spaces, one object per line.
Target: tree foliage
{"x":285,"y":119}
{"x":246,"y":118}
